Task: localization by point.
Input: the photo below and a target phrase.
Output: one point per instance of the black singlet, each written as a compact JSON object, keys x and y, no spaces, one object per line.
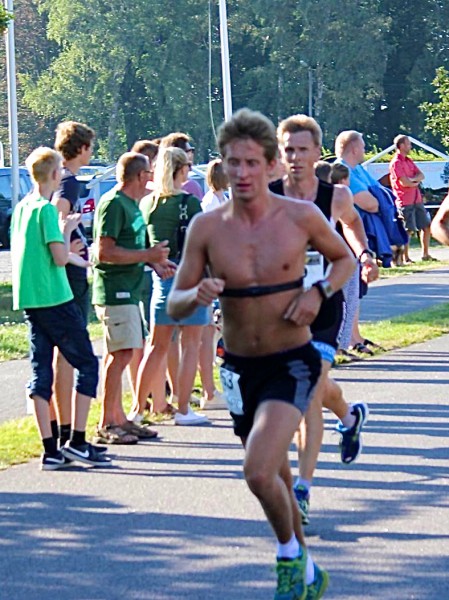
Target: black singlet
{"x":254,"y":291}
{"x":323,"y":196}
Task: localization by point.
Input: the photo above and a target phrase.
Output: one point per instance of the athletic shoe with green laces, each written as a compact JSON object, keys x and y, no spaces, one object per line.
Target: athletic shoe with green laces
{"x":319,"y":585}
{"x":291,"y":578}
{"x":303,"y":500}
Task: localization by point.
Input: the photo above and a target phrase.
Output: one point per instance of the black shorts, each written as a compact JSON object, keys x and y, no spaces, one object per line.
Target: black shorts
{"x":81,"y":295}
{"x":288,"y":376}
{"x":327,"y":326}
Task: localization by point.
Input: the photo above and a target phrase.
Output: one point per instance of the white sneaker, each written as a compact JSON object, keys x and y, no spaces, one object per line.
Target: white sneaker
{"x":217,"y":402}
{"x":191,"y":418}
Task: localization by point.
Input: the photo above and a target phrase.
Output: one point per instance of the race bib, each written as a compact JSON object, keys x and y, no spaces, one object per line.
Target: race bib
{"x":314,"y":268}
{"x":231,"y":390}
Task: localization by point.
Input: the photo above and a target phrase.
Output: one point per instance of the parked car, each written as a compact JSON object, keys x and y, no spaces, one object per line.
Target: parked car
{"x":89,"y":198}
{"x":25,"y":186}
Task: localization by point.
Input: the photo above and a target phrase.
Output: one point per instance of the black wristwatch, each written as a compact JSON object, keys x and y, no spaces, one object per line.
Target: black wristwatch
{"x":367,"y":251}
{"x":325,"y":289}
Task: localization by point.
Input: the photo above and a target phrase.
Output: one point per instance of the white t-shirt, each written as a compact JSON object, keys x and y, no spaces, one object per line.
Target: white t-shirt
{"x":211,"y":201}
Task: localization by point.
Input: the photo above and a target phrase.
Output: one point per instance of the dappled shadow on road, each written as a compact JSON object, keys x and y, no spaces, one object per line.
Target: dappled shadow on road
{"x":79,"y":547}
{"x":398,"y":298}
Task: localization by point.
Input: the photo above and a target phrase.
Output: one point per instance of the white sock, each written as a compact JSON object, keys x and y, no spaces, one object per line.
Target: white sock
{"x":306,"y":483}
{"x":310,"y":570}
{"x":349,"y":419}
{"x":288,"y":550}
{"x":134,"y":416}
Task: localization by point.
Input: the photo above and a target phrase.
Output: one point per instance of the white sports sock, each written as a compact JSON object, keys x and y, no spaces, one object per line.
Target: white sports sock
{"x":288,"y":550}
{"x":306,"y":483}
{"x":134,"y":416}
{"x":310,"y":570}
{"x":349,"y":418}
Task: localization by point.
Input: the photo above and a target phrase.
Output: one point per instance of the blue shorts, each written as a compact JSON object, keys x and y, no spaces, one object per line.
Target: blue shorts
{"x":288,"y":376}
{"x":159,"y":316}
{"x":63,"y":327}
{"x":326,"y":332}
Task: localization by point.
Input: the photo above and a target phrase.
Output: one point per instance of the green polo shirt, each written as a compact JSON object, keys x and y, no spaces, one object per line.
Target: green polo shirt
{"x":119,"y":217}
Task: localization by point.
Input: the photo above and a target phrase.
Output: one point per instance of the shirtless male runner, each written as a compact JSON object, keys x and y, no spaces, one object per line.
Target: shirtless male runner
{"x":300,"y":140}
{"x":254,"y":248}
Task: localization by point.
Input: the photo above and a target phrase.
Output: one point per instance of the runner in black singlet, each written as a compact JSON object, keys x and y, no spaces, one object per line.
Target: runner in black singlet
{"x":299,"y":140}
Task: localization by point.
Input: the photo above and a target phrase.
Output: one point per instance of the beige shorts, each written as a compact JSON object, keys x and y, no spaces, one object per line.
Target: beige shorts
{"x":122,"y":326}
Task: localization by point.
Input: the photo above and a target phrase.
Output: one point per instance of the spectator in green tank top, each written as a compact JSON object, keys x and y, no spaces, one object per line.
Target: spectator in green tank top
{"x":162,"y":210}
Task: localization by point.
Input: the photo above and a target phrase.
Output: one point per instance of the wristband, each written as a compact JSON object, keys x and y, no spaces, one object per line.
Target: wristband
{"x":366,"y":251}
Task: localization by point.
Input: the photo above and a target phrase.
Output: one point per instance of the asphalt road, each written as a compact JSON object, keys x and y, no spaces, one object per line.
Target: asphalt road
{"x":173,"y":519}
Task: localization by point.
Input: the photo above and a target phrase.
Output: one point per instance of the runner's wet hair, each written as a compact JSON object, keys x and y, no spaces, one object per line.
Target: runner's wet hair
{"x":298,"y":123}
{"x":248,"y":124}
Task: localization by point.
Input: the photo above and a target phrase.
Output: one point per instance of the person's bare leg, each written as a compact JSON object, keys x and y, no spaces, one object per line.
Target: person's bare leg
{"x":173,"y":359}
{"x":310,"y":447}
{"x":265,"y":459}
{"x":206,"y":361}
{"x":152,"y":365}
{"x":356,"y":336}
{"x":115,"y":364}
{"x":190,"y":347}
{"x":286,"y":475}
{"x":133,"y":368}
{"x":42,"y":416}
{"x":63,"y":388}
{"x":81,"y":411}
{"x":333,"y":399}
{"x":424,"y":237}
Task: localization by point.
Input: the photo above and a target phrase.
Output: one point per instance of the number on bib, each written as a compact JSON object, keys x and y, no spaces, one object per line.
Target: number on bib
{"x":231,"y":390}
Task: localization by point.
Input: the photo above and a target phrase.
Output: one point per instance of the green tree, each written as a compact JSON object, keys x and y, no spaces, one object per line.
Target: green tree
{"x":437,"y":113}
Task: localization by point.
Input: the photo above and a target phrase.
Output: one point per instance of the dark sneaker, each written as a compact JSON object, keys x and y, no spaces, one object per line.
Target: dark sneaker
{"x":291,"y":578}
{"x":319,"y":585}
{"x":351,"y":437}
{"x":303,"y":499}
{"x":87,"y":454}
{"x":51,"y":462}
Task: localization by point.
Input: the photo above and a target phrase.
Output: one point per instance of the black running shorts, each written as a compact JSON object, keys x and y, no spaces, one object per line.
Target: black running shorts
{"x":288,"y":376}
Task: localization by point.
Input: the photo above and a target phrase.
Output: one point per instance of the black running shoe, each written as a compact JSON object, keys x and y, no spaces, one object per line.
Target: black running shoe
{"x":87,"y":454}
{"x":351,"y":437}
{"x":51,"y":462}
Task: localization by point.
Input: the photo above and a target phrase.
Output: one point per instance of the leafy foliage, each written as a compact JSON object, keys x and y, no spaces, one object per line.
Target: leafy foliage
{"x":141,"y":69}
{"x":437,"y":113}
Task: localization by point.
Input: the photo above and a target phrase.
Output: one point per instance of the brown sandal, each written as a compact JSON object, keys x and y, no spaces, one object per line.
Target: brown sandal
{"x":142,"y":432}
{"x":111,"y":434}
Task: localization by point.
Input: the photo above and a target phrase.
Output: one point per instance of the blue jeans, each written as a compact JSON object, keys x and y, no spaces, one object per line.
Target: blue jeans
{"x":60,"y":326}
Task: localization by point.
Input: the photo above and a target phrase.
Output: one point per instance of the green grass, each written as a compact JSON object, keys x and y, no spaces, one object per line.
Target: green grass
{"x":14,"y":332}
{"x":417,"y":267}
{"x":20,"y":440}
{"x":409,"y":329}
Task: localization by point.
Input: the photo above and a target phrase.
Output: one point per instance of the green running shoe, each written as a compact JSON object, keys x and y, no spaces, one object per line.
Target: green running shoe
{"x":291,"y":578}
{"x":319,"y":585}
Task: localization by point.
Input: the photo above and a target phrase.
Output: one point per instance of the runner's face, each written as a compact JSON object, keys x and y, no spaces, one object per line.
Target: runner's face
{"x":299,"y":153}
{"x":247,"y":168}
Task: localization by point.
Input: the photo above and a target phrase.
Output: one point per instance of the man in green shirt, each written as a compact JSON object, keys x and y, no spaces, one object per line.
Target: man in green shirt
{"x":39,"y":253}
{"x":121,"y":254}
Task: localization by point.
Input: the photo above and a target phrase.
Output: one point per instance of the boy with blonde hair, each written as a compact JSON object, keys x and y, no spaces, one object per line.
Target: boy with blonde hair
{"x":40,"y":246}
